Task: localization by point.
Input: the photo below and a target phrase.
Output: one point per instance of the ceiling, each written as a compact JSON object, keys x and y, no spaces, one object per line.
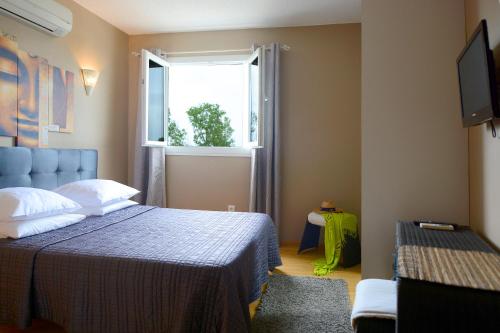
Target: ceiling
{"x":154,"y":16}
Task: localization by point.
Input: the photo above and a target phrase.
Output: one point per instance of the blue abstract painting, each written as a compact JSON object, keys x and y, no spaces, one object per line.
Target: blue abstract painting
{"x":29,"y":87}
{"x":61,"y":100}
{"x":8,"y":87}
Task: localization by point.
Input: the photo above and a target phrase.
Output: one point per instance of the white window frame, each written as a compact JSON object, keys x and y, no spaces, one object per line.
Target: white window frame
{"x":258,"y":53}
{"x":208,"y":151}
{"x":146,"y":56}
{"x":242,"y":151}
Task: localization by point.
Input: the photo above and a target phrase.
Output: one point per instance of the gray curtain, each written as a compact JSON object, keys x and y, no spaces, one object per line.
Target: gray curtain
{"x":148,"y":166}
{"x":265,"y":170}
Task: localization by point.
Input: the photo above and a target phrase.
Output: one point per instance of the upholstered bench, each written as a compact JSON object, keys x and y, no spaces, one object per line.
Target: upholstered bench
{"x":375,"y":307}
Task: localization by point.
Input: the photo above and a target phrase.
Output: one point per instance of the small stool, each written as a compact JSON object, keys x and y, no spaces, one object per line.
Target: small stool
{"x":375,"y":307}
{"x":351,"y":252}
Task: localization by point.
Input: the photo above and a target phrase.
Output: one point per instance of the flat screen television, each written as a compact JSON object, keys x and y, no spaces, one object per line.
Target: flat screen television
{"x":476,"y":72}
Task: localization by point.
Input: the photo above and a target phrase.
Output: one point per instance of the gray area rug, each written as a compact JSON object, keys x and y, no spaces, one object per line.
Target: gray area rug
{"x":303,"y":304}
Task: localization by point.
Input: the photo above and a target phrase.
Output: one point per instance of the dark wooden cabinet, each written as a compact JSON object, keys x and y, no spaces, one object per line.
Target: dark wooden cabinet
{"x":448,"y":281}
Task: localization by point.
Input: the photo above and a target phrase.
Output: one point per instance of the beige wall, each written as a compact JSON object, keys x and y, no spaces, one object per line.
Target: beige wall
{"x":320,"y":95}
{"x":414,"y":149}
{"x":484,"y":150}
{"x":101,"y":119}
{"x":200,"y":182}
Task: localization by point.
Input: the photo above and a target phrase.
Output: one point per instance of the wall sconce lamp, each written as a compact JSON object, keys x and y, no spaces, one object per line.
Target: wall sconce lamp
{"x":90,"y":77}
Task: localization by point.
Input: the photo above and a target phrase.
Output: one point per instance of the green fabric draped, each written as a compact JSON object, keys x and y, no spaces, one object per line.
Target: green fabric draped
{"x":337,"y":226}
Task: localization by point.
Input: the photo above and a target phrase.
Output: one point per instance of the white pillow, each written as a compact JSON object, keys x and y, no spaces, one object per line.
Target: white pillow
{"x":106,"y":209}
{"x":20,"y":229}
{"x":22,"y":203}
{"x":96,"y":192}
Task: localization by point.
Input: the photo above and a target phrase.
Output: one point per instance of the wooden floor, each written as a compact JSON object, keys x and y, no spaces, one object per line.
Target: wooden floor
{"x":293,"y":264}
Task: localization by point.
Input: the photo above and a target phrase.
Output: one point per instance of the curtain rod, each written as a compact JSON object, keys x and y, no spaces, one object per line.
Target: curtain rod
{"x":283,"y":47}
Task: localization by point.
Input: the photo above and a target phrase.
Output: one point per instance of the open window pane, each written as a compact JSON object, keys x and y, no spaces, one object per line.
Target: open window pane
{"x":254,"y":100}
{"x":156,"y":102}
{"x":154,"y":99}
{"x":254,"y":97}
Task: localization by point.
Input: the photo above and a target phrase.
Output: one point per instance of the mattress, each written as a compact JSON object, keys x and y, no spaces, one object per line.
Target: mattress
{"x":141,"y":269}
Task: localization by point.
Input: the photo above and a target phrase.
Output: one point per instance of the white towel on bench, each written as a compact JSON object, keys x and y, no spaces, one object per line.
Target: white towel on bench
{"x":375,"y":298}
{"x":316,"y":218}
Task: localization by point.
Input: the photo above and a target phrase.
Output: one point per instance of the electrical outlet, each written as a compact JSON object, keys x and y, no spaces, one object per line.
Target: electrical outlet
{"x":231,"y":208}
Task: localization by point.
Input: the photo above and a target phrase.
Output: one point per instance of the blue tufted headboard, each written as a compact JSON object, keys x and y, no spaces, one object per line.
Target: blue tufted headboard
{"x":44,"y":167}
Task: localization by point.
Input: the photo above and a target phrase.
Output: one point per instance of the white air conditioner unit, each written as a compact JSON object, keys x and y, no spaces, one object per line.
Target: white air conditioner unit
{"x":44,"y":15}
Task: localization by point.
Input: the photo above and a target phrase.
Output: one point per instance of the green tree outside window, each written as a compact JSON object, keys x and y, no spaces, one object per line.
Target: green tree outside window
{"x":211,"y":126}
{"x":176,"y":135}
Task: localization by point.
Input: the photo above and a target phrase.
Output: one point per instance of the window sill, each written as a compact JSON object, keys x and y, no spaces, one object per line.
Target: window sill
{"x":209,"y":151}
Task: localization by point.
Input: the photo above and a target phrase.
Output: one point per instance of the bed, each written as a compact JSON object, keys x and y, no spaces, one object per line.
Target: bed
{"x":142,"y":268}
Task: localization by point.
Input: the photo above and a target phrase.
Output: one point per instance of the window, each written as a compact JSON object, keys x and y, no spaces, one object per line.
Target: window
{"x":205,"y":105}
{"x":154,"y":101}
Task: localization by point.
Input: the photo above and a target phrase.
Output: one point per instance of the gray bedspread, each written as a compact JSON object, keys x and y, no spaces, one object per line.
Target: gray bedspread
{"x":141,"y":269}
